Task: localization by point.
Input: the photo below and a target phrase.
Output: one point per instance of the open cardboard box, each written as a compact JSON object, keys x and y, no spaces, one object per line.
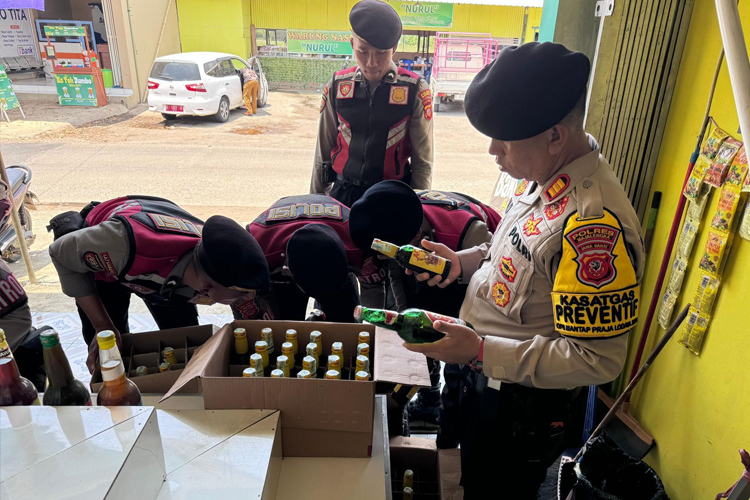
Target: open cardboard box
{"x":145,"y":349}
{"x":319,"y":418}
{"x":449,"y":468}
{"x":421,"y":456}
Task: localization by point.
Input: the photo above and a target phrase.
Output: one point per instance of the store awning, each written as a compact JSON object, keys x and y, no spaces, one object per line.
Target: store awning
{"x":22,"y":4}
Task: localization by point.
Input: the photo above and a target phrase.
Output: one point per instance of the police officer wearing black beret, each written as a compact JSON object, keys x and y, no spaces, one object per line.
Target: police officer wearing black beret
{"x":154,"y":249}
{"x":554,"y":294}
{"x":375,"y":118}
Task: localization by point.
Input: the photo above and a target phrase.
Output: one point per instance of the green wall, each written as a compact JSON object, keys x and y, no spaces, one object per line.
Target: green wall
{"x":300,"y":73}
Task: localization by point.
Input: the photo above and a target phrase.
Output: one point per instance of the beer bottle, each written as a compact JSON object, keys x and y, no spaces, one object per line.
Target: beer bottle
{"x":141,"y":371}
{"x":313,"y":350}
{"x":63,"y":389}
{"x":408,"y":479}
{"x":282,"y":363}
{"x":267,"y":335}
{"x":413,"y":325}
{"x":241,"y":355}
{"x":249,"y":372}
{"x":317,"y":338}
{"x":291,"y":337}
{"x":118,"y":390}
{"x":14,"y":389}
{"x":316,"y":315}
{"x":335,"y":363}
{"x":363,"y":338}
{"x":333,"y":375}
{"x":362,"y":376}
{"x":169,"y":356}
{"x":363,"y":364}
{"x":304,"y":374}
{"x":256,"y":361}
{"x":261,"y":347}
{"x":310,"y":364}
{"x":337,"y":349}
{"x":408,"y":494}
{"x":363,"y":350}
{"x":164,"y":367}
{"x":414,"y":258}
{"x":277,"y":373}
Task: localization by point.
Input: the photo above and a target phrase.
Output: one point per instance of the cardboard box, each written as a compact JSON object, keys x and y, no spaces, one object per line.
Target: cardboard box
{"x":449,"y":469}
{"x":145,"y":349}
{"x":420,"y":455}
{"x":324,"y":418}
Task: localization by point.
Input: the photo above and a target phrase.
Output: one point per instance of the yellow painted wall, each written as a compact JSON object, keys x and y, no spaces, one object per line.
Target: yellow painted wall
{"x":534,"y":20}
{"x":698,"y":407}
{"x":215,"y":25}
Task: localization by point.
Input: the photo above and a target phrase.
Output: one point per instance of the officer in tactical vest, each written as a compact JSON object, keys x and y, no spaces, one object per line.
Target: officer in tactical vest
{"x":555,"y":293}
{"x":154,"y":249}
{"x":393,"y":212}
{"x":375,"y":118}
{"x":310,"y":253}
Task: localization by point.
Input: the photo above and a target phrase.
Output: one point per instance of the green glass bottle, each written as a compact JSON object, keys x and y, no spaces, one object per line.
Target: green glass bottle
{"x":414,"y":258}
{"x":413,"y":325}
{"x":63,"y":389}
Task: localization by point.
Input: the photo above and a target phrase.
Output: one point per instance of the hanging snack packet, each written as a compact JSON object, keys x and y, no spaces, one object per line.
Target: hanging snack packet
{"x":688,"y":326}
{"x":679,"y":266}
{"x":698,"y":333}
{"x":738,"y":171}
{"x":713,"y":142}
{"x":705,"y":294}
{"x":728,"y":201}
{"x":717,"y":173}
{"x":715,"y":252}
{"x":698,"y":205}
{"x":695,"y":181}
{"x":666,"y":308}
{"x":687,"y":237}
{"x":745,"y":223}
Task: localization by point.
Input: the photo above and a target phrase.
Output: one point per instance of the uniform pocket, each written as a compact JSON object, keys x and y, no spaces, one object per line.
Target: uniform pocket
{"x":508,"y":286}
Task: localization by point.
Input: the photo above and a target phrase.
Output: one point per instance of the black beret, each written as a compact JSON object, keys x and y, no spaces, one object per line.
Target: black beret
{"x":526,"y":90}
{"x":231,"y":257}
{"x":316,"y":257}
{"x":390,"y":211}
{"x":377,"y":23}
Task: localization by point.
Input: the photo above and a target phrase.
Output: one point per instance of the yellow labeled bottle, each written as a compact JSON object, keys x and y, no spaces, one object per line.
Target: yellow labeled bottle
{"x":261,"y":347}
{"x":164,"y":367}
{"x":256,"y":361}
{"x":363,"y":350}
{"x":317,"y":338}
{"x":267,"y":335}
{"x":277,"y":373}
{"x":141,"y":371}
{"x":408,"y":478}
{"x":291,"y":337}
{"x":362,"y":375}
{"x":333,"y":375}
{"x":304,"y":374}
{"x":363,"y":338}
{"x":310,"y":364}
{"x":335,"y":363}
{"x":312,"y":350}
{"x":241,"y":354}
{"x":363,"y":364}
{"x":249,"y":373}
{"x":282,"y":363}
{"x":169,"y":356}
{"x":4,"y":347}
{"x":337,"y":348}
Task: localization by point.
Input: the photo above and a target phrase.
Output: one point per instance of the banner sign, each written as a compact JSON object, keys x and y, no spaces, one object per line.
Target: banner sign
{"x":318,"y":42}
{"x":65,"y":30}
{"x":8,"y":99}
{"x":17,"y":37}
{"x":75,"y":90}
{"x":424,"y":14}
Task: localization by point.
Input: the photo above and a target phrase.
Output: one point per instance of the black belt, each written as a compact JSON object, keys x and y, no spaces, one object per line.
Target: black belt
{"x":354,"y":182}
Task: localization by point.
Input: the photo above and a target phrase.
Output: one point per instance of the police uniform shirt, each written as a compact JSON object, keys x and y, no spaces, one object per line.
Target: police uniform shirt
{"x":420,"y":135}
{"x":575,"y":240}
{"x":17,"y":323}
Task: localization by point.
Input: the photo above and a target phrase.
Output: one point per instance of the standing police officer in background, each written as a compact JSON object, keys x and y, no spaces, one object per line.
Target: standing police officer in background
{"x":375,"y":118}
{"x":554,"y":294}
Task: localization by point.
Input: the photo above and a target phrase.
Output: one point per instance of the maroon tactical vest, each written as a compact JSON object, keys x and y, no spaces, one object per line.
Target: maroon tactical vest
{"x":159,"y":233}
{"x":373,"y":142}
{"x":451,"y":214}
{"x":273,"y":228}
{"x":12,"y":294}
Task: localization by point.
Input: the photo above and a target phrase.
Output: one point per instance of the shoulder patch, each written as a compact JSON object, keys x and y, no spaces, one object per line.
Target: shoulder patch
{"x":557,"y":187}
{"x":93,"y":261}
{"x":324,"y":98}
{"x":426,"y":97}
{"x":345,"y":90}
{"x":399,"y":95}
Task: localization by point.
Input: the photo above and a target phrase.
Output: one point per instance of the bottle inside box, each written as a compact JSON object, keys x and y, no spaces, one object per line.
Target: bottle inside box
{"x":153,"y":360}
{"x":425,"y":483}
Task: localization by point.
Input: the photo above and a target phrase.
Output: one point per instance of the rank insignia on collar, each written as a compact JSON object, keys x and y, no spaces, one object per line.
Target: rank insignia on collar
{"x":557,"y":187}
{"x":345,"y":90}
{"x":556,"y":209}
{"x":531,"y":226}
{"x":399,"y":95}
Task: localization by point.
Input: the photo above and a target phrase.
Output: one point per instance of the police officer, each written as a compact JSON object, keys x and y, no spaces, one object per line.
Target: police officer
{"x":153,"y":248}
{"x":375,"y":118}
{"x":310,"y":253}
{"x":554,"y":294}
{"x":393,"y":212}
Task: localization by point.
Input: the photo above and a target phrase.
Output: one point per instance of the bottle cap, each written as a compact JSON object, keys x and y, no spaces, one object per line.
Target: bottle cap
{"x":266,"y":331}
{"x":141,"y":371}
{"x":334,"y":362}
{"x":261,"y":346}
{"x":333,"y":375}
{"x":164,"y":367}
{"x":277,"y":373}
{"x":358,"y":313}
{"x":337,"y":347}
{"x":240,"y":333}
{"x":249,"y":372}
{"x":309,"y":363}
{"x":363,"y":350}
{"x":256,"y":361}
{"x":49,"y":338}
{"x":282,"y":361}
{"x":363,"y":338}
{"x":363,"y":363}
{"x":362,"y":375}
{"x":291,"y":334}
{"x":106,"y":339}
{"x":304,"y":374}
{"x":311,"y":348}
{"x":316,"y":336}
{"x":287,"y":348}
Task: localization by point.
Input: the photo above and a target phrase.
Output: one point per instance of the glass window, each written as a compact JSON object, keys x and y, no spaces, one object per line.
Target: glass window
{"x":211,"y":68}
{"x":176,"y":71}
{"x":238,"y":64}
{"x":226,"y":68}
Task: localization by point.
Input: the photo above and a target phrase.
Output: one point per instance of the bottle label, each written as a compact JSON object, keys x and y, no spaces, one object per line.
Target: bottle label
{"x":4,"y":351}
{"x":427,"y":261}
{"x":446,"y":319}
{"x":112,"y":370}
{"x":390,"y":317}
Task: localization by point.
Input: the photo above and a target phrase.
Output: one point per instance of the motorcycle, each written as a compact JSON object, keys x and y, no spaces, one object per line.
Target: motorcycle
{"x":20,"y":180}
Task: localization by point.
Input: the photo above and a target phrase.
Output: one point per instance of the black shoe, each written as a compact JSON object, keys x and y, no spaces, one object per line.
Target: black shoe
{"x":423,"y":417}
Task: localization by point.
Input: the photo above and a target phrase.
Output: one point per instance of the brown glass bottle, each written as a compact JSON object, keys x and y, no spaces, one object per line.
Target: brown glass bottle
{"x":118,"y":390}
{"x":63,"y":388}
{"x":14,"y":389}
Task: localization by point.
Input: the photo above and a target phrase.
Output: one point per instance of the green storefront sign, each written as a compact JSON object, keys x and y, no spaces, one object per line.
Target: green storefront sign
{"x":8,"y":99}
{"x":65,"y":30}
{"x":424,"y":14}
{"x":318,"y":42}
{"x":76,"y":90}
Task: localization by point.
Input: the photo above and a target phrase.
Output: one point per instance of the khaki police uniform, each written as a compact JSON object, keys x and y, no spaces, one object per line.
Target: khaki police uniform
{"x":554,"y":293}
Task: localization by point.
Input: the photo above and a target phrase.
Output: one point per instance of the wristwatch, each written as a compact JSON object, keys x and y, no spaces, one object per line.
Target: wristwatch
{"x":478,"y":363}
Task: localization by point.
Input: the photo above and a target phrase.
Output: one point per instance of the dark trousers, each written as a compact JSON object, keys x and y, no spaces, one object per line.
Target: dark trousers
{"x":116,"y":300}
{"x":291,"y":301}
{"x":30,"y":358}
{"x":510,"y":438}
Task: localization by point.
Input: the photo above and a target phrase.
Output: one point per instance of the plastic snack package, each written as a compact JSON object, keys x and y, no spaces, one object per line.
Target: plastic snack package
{"x":687,"y":327}
{"x":717,"y":247}
{"x":698,"y":333}
{"x":744,"y":230}
{"x":717,"y":173}
{"x":697,"y":205}
{"x":729,"y":198}
{"x":679,"y":266}
{"x":738,"y":171}
{"x":713,"y":142}
{"x":695,"y":181}
{"x":666,"y":308}
{"x":705,"y":294}
{"x":687,"y":237}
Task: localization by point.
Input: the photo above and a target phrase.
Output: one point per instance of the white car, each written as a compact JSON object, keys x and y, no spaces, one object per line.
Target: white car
{"x":200,"y":84}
